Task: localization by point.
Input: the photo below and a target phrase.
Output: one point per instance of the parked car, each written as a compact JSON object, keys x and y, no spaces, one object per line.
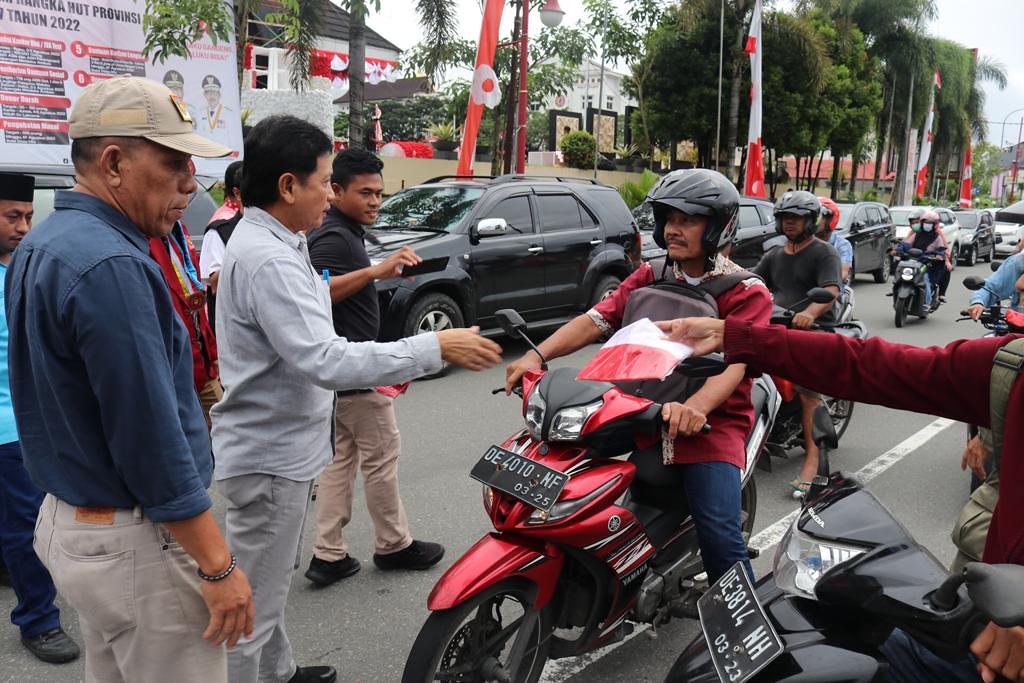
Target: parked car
{"x":1008,"y":237}
{"x":977,"y":237}
{"x":547,"y":247}
{"x":870,"y":229}
{"x":49,"y":179}
{"x":754,"y":235}
{"x":950,"y":226}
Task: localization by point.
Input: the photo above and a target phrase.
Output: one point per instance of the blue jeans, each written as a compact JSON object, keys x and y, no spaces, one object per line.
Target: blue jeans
{"x":20,"y":499}
{"x":927,"y":289}
{"x":911,"y":662}
{"x":713,"y":492}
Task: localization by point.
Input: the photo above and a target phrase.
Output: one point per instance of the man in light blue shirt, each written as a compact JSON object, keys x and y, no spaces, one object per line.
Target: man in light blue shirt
{"x":998,"y":286}
{"x":35,"y":614}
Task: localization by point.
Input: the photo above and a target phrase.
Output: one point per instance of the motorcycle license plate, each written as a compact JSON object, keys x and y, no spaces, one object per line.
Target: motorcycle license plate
{"x":520,"y":477}
{"x":741,"y":639}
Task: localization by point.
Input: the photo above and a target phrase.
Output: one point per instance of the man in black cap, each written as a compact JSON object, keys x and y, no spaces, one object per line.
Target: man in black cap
{"x":175,"y":82}
{"x":35,"y":614}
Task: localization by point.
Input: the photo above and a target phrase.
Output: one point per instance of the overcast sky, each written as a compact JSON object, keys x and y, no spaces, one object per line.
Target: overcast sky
{"x":994,"y":26}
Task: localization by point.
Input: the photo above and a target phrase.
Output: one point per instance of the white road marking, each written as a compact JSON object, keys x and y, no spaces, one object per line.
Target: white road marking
{"x":563,"y":669}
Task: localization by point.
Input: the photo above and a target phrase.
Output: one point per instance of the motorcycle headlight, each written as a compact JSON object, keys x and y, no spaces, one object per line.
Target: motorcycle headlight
{"x":802,"y":560}
{"x":568,"y":422}
{"x":535,"y":407}
{"x":907,"y":274}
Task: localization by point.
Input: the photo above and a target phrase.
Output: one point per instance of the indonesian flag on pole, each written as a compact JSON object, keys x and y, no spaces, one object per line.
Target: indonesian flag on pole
{"x":926,"y":141}
{"x":938,"y":78}
{"x":485,"y":91}
{"x":378,"y":134}
{"x":637,"y":351}
{"x":754,"y":182}
{"x":966,"y":196}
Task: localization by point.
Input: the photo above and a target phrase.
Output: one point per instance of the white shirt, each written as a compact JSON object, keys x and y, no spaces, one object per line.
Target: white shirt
{"x":211,"y":258}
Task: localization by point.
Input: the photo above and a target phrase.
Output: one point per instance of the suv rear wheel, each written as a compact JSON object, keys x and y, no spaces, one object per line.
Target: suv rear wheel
{"x":433,"y":312}
{"x":604,"y":288}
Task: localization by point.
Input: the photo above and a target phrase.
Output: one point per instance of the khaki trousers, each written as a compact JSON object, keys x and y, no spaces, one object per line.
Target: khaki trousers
{"x":366,"y":438}
{"x":140,"y":606}
{"x":211,"y":393}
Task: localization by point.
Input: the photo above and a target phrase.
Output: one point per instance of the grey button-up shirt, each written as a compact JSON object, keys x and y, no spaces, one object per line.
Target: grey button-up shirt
{"x":281,"y":361}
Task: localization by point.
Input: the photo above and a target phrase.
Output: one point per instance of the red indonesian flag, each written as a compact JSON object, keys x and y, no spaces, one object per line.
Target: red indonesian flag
{"x":938,"y":77}
{"x":754,"y":181}
{"x":926,"y":150}
{"x":638,"y":351}
{"x":966,"y":197}
{"x":485,"y":90}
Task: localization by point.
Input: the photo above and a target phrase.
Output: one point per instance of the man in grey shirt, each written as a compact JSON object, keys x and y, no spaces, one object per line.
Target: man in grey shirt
{"x":281,"y":362}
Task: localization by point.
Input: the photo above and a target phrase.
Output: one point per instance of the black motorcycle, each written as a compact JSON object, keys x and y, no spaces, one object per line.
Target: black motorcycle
{"x":845,"y":575}
{"x":909,"y":283}
{"x":788,"y":431}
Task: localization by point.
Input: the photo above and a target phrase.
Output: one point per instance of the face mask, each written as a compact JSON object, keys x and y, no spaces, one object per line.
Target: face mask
{"x":928,"y":227}
{"x":916,"y":227}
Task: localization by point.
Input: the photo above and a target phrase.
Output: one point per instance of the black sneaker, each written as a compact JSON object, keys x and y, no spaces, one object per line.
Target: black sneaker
{"x":53,"y":647}
{"x":314,"y":674}
{"x":419,"y":555}
{"x":324,"y":573}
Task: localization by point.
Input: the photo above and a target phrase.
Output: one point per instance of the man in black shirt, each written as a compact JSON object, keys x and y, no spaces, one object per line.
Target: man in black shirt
{"x":366,"y":434}
{"x":803,"y":263}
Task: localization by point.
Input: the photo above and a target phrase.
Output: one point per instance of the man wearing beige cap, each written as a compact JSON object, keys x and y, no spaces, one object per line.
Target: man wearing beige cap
{"x":110,"y":423}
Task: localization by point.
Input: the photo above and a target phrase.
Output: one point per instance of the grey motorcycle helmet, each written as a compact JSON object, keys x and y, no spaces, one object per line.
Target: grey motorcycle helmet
{"x":799,"y":203}
{"x":697,"y":192}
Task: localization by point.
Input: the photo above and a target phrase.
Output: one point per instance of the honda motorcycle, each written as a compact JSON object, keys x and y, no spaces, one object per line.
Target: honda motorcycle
{"x":575,"y":553}
{"x":845,"y":575}
{"x":910,"y":283}
{"x":788,"y":431}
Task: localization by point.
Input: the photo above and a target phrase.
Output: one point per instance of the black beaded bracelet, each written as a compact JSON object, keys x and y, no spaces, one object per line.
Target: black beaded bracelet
{"x":223,"y":575}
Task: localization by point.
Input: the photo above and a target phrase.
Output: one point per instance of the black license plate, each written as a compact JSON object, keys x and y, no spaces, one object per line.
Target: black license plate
{"x":741,"y":639}
{"x":520,"y":477}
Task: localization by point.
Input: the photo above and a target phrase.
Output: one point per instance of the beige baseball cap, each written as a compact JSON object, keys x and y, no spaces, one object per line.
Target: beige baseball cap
{"x":128,"y":106}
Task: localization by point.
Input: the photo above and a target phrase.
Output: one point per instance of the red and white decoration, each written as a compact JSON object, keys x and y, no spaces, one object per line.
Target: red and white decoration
{"x":754,"y":182}
{"x":966,"y":191}
{"x":926,"y":141}
{"x":485,"y":84}
{"x":637,"y":351}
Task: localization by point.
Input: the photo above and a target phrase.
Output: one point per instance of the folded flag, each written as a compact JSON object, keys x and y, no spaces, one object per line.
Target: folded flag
{"x":636,"y":352}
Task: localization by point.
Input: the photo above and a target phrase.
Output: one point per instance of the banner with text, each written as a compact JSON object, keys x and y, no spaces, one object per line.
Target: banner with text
{"x":51,"y":49}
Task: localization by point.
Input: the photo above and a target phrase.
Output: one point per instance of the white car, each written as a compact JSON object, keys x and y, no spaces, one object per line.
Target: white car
{"x":950,"y":226}
{"x":1010,"y":235}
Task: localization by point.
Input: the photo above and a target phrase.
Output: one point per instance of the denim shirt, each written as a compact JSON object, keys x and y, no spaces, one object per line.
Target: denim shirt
{"x":101,"y":367}
{"x":1002,"y":283}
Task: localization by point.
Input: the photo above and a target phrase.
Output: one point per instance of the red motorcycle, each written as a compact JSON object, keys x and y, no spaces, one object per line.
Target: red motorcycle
{"x":575,"y":553}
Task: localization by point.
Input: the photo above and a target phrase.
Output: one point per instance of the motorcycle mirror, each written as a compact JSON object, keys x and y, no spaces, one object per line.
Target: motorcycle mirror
{"x":974,"y":283}
{"x":820,"y":295}
{"x":704,"y":366}
{"x":824,"y":430}
{"x":996,"y":265}
{"x":996,"y":591}
{"x":511,"y":322}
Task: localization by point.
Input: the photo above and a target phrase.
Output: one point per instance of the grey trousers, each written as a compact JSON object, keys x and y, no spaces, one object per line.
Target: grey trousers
{"x":140,"y":606}
{"x":264,"y":524}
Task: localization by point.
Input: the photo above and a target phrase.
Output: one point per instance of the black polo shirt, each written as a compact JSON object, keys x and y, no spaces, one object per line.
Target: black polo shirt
{"x":338,"y":246}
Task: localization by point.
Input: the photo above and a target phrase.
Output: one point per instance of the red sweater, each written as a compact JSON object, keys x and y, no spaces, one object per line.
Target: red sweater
{"x":950,"y":381}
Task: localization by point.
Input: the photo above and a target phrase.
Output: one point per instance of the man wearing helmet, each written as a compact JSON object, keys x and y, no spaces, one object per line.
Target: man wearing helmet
{"x":695,"y":218}
{"x":827,"y":233}
{"x":926,"y":235}
{"x":790,"y":271}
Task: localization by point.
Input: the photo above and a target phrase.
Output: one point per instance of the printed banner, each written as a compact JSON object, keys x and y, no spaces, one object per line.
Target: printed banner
{"x":51,"y":49}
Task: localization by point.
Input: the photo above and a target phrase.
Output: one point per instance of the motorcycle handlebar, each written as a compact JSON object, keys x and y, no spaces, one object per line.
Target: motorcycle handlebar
{"x":517,"y":390}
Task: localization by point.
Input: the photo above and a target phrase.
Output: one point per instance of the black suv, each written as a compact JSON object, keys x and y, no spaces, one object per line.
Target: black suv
{"x":754,"y":233}
{"x":870,"y":229}
{"x":977,"y":236}
{"x":547,"y":247}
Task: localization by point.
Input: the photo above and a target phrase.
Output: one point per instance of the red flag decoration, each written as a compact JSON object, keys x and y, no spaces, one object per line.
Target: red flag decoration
{"x":926,"y":142}
{"x":754,"y":182}
{"x":637,"y":351}
{"x":378,"y":134}
{"x":485,"y":90}
{"x":966,"y":196}
{"x":938,"y":79}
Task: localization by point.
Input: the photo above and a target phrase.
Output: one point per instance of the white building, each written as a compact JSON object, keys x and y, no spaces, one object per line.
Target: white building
{"x":586,"y":90}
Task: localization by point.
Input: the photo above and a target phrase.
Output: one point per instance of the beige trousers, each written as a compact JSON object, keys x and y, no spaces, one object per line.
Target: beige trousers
{"x":138,"y":598}
{"x":211,"y":393}
{"x":366,"y":439}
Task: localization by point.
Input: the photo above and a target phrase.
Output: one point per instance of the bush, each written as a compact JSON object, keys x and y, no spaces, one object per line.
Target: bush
{"x":578,"y":149}
{"x":634,"y":194}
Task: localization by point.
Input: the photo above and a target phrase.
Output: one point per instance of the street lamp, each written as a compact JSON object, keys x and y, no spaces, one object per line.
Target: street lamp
{"x":551,"y":16}
{"x":1002,"y":134}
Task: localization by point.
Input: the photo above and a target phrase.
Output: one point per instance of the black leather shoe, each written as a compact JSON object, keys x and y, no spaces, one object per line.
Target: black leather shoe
{"x":53,"y":647}
{"x":419,"y":555}
{"x":324,"y":573}
{"x":314,"y":674}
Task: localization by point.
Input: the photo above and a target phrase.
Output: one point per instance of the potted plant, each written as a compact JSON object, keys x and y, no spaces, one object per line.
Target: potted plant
{"x":624,"y":162}
{"x":446,"y":136}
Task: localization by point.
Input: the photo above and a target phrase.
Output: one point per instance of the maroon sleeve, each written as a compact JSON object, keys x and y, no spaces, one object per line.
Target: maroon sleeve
{"x":950,"y":381}
{"x":745,"y":302}
{"x":612,"y":309}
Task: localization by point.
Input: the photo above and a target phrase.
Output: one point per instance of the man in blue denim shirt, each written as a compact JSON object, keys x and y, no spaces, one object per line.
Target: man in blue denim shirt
{"x":110,"y":423}
{"x":1003,"y":285}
